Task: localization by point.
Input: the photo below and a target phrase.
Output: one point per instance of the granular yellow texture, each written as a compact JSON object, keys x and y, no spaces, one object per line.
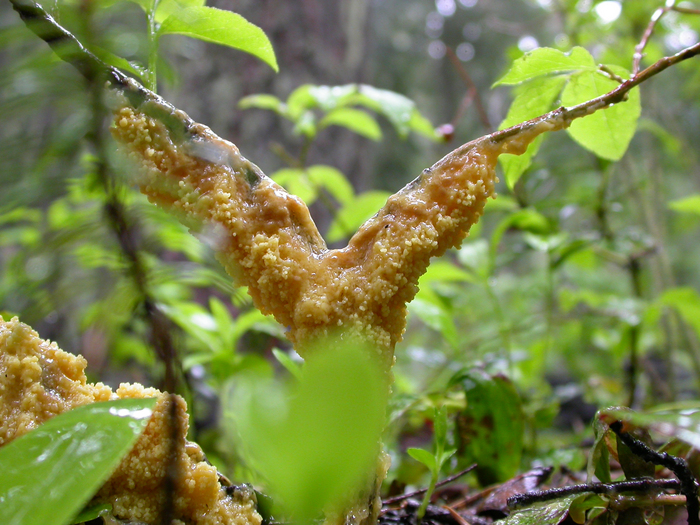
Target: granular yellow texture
{"x":270,"y":244}
{"x":38,"y":380}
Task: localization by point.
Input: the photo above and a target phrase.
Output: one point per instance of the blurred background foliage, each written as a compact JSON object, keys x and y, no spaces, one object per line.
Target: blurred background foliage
{"x":577,"y":290}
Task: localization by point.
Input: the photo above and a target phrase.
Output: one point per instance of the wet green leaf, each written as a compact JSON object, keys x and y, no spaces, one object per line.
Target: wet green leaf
{"x":682,"y":423}
{"x":532,"y":99}
{"x":63,"y":462}
{"x":490,"y":429}
{"x":547,"y":61}
{"x":551,"y":513}
{"x":220,"y":27}
{"x":607,"y":132}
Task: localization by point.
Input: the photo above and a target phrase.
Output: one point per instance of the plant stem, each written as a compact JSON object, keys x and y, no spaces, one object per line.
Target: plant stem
{"x":153,"y":40}
{"x":428,"y":495}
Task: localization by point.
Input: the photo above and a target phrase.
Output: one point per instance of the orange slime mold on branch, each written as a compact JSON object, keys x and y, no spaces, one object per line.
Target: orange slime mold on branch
{"x":271,"y":245}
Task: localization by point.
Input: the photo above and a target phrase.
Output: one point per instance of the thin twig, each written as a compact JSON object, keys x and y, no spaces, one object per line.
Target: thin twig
{"x":472,"y":91}
{"x":450,"y":479}
{"x":688,"y":485}
{"x":649,"y":31}
{"x":643,"y":485}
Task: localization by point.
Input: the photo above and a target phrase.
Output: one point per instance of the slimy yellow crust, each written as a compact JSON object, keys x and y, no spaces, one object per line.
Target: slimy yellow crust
{"x":38,"y":381}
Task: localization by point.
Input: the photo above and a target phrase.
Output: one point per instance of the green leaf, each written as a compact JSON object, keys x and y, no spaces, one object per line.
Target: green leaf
{"x":119,"y":62}
{"x":490,"y":429}
{"x":292,"y":366}
{"x":329,"y":98}
{"x":681,"y":423}
{"x":397,"y":108}
{"x":444,"y":271}
{"x":51,"y":472}
{"x":220,"y":27}
{"x":356,"y":212}
{"x":690,"y":204}
{"x":168,"y":7}
{"x":296,"y":181}
{"x":437,"y":317}
{"x":551,"y":513}
{"x":423,"y":456}
{"x":526,"y":219}
{"x":686,"y":301}
{"x":316,"y":443}
{"x":333,"y":181}
{"x":440,"y":428}
{"x":532,"y":99}
{"x":355,"y":120}
{"x":607,"y":132}
{"x":547,"y":61}
{"x":582,"y":504}
{"x":422,"y":125}
{"x":263,"y":101}
{"x":92,"y":513}
{"x":300,"y":100}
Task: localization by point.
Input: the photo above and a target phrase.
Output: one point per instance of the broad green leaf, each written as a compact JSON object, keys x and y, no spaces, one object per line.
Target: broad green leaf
{"x":333,"y":181}
{"x":607,"y":132}
{"x":423,"y":456}
{"x":316,"y":442}
{"x":547,"y":61}
{"x":168,"y":7}
{"x":490,"y":429}
{"x":437,"y":317}
{"x":355,"y":120}
{"x":263,"y":101}
{"x":220,"y":27}
{"x":690,"y":204}
{"x":532,"y":99}
{"x":550,"y":513}
{"x":297,"y":182}
{"x":330,"y":97}
{"x":444,"y":271}
{"x":356,"y":212}
{"x":397,"y":108}
{"x":300,"y":100}
{"x":50,"y":473}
